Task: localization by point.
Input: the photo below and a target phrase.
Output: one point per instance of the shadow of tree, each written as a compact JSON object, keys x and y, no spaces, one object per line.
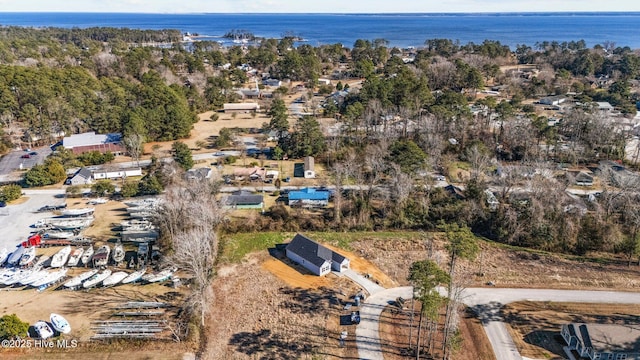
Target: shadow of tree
{"x":266,"y":345}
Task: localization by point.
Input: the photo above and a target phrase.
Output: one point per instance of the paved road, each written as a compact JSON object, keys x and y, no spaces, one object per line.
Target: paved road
{"x":487,"y":303}
{"x":367,"y":332}
{"x":368,"y":285}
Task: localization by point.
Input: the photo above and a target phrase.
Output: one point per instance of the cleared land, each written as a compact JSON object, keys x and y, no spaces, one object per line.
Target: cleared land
{"x":250,"y":291}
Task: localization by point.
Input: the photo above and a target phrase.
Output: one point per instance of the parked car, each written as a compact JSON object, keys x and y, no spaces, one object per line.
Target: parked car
{"x":26,"y":156}
{"x":33,"y":153}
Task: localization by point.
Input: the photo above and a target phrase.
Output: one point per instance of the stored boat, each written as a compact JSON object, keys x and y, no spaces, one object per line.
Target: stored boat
{"x":158,"y":277}
{"x":59,"y":234}
{"x":77,"y":280}
{"x":78,"y":212}
{"x":43,"y":329}
{"x":97,"y":201}
{"x":63,"y":223}
{"x":134,"y":276}
{"x":96,"y":279}
{"x":60,"y":258}
{"x":17,"y":277}
{"x":60,"y":324}
{"x":143,"y":202}
{"x":74,"y":258}
{"x":51,"y":278}
{"x":114,"y":278}
{"x":118,"y":253}
{"x":28,"y":256}
{"x":35,"y":275}
{"x":86,"y":257}
{"x":15,"y":255}
{"x":101,"y":257}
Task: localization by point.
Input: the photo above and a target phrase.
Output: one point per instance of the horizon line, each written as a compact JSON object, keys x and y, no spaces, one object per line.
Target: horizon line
{"x":621,"y":12}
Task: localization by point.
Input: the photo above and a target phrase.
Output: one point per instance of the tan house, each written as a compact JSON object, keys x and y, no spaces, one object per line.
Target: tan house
{"x":240,"y":107}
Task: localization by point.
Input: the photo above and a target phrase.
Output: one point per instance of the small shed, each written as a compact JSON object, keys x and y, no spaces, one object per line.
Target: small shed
{"x":309,"y":167}
{"x":315,"y":257}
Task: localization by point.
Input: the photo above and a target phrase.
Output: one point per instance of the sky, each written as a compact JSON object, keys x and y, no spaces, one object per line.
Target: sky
{"x":315,"y":6}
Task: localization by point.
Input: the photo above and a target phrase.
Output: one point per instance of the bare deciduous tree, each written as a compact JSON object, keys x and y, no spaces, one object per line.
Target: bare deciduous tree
{"x":133,"y":144}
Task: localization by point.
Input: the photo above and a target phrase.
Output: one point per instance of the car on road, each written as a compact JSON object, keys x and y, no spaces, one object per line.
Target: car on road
{"x":33,"y":153}
{"x":26,"y":156}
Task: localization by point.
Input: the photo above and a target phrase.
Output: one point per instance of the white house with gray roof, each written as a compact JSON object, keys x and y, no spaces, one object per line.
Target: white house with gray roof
{"x":315,"y":257}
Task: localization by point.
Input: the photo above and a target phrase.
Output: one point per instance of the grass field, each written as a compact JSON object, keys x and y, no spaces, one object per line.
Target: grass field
{"x":236,"y":246}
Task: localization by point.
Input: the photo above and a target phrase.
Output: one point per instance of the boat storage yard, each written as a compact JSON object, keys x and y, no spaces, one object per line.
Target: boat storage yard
{"x":45,"y":242}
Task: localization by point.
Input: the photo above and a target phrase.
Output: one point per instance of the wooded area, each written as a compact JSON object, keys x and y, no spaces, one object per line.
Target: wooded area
{"x":418,"y":111}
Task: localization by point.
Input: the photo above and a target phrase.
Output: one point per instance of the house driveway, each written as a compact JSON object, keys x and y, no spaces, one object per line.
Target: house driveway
{"x":367,"y":332}
{"x":368,"y":285}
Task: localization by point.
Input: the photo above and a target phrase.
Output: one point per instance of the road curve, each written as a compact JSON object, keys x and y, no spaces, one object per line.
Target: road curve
{"x":367,"y":332}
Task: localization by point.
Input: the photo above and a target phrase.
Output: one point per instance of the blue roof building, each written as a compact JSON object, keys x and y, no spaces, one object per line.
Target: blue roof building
{"x":309,"y":197}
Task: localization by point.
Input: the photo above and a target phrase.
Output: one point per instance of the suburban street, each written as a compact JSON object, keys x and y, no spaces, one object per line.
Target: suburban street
{"x":486,"y":302}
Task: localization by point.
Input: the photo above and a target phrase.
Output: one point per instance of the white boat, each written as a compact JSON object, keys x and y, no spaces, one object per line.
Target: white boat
{"x":96,"y":279}
{"x":114,"y":278}
{"x":51,"y":278}
{"x":78,"y":212}
{"x":74,"y":257}
{"x":97,"y":201}
{"x":28,"y":256}
{"x":60,"y":258}
{"x":15,"y":255}
{"x":86,"y":257}
{"x":43,"y":329}
{"x":77,"y":280}
{"x":158,"y":277}
{"x":134,"y":276}
{"x":4,"y":254}
{"x":64,"y":223}
{"x":137,"y":209}
{"x":35,"y":275}
{"x":118,"y":253}
{"x":142,"y":215}
{"x":60,"y":324}
{"x":17,"y":277}
{"x":101,"y":256}
{"x":143,"y":202}
{"x":7,"y":274}
{"x":59,"y":234}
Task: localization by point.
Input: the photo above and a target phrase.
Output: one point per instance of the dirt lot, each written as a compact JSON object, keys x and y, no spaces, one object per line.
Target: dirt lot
{"x":271,"y":283}
{"x":256,"y":314}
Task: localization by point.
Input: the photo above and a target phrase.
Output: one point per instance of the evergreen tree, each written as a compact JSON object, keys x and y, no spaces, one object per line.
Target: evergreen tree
{"x":182,"y":155}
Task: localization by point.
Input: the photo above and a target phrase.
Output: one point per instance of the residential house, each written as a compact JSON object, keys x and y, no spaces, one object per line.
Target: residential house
{"x":272,"y":82}
{"x":324,"y":82}
{"x":116,"y":174}
{"x":253,"y":173}
{"x":81,"y":177}
{"x":553,"y":100}
{"x":315,"y":257}
{"x":601,"y":341}
{"x":198,"y":174}
{"x":240,"y":107}
{"x":604,"y":106}
{"x":243,"y":200}
{"x":309,"y":167}
{"x":309,"y":197}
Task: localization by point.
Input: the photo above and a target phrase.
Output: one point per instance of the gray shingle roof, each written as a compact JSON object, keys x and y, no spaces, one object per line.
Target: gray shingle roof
{"x":309,"y":250}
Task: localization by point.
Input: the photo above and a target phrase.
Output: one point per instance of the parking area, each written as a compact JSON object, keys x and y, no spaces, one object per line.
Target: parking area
{"x":18,"y":159}
{"x":15,"y":220}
